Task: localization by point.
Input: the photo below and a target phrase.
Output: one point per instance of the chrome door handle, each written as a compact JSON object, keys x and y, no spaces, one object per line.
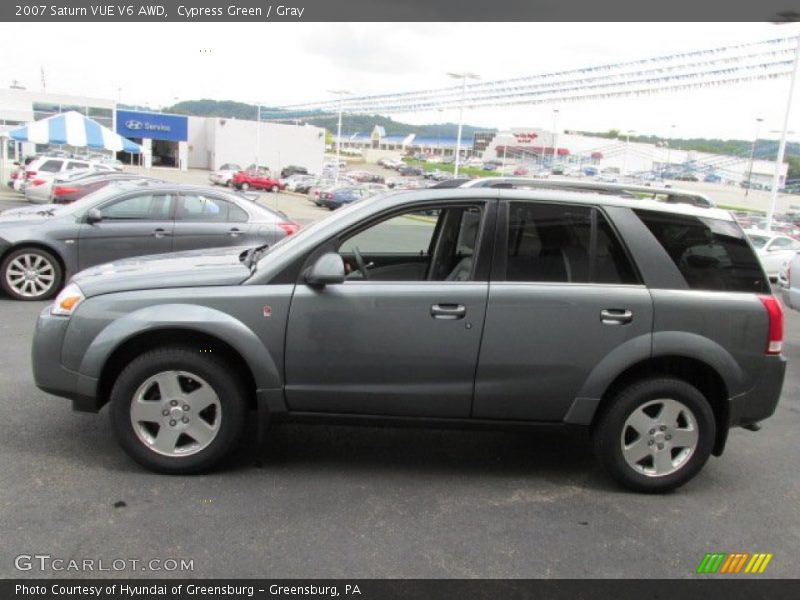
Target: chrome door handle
{"x":612,"y":316}
{"x":448,"y":311}
{"x":234,"y":232}
{"x":160,"y":233}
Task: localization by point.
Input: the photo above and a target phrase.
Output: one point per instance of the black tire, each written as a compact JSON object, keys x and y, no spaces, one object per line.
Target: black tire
{"x":10,"y":266}
{"x":216,"y":372}
{"x":610,"y":426}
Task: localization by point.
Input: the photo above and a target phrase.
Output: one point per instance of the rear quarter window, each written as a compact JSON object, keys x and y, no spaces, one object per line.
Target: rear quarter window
{"x":711,"y":254}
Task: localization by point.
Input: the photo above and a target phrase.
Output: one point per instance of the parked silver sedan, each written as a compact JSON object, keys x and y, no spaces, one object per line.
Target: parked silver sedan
{"x":41,"y":249}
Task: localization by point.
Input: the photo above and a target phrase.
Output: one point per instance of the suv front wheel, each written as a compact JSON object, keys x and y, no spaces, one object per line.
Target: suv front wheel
{"x":655,"y":435}
{"x":177,"y":409}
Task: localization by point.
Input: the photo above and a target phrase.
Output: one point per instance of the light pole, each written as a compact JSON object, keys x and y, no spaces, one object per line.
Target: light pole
{"x":341,"y":94}
{"x":669,"y":146}
{"x":258,"y":133}
{"x":463,"y":77}
{"x":625,"y":155}
{"x":555,"y":138}
{"x":776,"y":178}
{"x":752,"y":158}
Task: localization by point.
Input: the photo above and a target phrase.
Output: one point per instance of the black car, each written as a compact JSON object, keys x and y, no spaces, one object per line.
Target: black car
{"x":293,"y":170}
{"x":408,"y":170}
{"x":336,"y":198}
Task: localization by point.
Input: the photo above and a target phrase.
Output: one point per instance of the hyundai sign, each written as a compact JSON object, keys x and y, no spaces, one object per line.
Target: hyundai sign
{"x":154,"y":126}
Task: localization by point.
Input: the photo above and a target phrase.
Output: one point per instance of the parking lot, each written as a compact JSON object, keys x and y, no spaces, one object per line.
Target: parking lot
{"x":336,"y":501}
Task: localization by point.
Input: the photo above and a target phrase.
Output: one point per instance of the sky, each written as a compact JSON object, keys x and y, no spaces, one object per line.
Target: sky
{"x":286,"y":63}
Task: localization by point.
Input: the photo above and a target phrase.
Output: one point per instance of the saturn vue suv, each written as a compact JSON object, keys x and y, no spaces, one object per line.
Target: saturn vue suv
{"x":652,"y":324}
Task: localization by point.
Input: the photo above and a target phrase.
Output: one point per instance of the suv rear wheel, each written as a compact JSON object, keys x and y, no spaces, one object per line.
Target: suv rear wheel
{"x":177,"y":410}
{"x":655,"y":434}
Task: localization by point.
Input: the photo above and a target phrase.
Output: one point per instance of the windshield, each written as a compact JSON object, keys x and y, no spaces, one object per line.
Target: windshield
{"x":758,"y":241}
{"x":90,"y":199}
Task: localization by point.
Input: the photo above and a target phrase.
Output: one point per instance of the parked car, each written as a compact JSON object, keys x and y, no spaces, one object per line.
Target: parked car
{"x":224,"y":174}
{"x":42,"y":169}
{"x":40,"y":250}
{"x":773,"y":249}
{"x":293,"y":170}
{"x":790,"y":286}
{"x":408,"y":170}
{"x":339,"y":196}
{"x":256,"y":179}
{"x":65,"y":192}
{"x":40,"y":189}
{"x":295,"y":183}
{"x":564,"y":311}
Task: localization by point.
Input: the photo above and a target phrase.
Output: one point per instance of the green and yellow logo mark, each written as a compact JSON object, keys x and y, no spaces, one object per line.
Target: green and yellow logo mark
{"x":736,"y":562}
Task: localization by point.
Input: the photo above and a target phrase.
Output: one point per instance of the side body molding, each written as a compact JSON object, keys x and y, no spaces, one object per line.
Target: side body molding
{"x":202,"y":319}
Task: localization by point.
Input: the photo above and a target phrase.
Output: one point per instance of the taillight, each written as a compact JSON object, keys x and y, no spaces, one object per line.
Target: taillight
{"x":14,"y":174}
{"x":289,"y":227}
{"x":61,"y":190}
{"x":329,"y":196}
{"x":38,"y":181}
{"x":775,"y":314}
{"x":30,"y":174}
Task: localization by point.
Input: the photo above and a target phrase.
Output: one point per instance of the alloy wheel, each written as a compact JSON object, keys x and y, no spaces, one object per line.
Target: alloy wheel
{"x":31,"y":275}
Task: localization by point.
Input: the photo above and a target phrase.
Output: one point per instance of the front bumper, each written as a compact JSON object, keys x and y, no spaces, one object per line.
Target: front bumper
{"x":49,"y":374}
{"x":759,"y":402}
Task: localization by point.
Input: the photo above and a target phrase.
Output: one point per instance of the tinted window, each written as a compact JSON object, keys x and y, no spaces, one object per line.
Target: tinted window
{"x":564,"y":244}
{"x":51,"y":166}
{"x":712,"y":254}
{"x":198,"y":207}
{"x":145,"y":207}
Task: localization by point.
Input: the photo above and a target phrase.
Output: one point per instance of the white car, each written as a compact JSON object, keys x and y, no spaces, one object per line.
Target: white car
{"x":40,"y":173}
{"x":224,"y":174}
{"x":772,"y":249}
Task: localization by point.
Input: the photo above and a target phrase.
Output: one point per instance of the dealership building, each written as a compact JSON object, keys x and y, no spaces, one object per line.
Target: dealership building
{"x":169,"y":141}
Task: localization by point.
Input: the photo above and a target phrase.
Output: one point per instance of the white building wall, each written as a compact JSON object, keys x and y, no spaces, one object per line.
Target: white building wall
{"x":278,"y":145}
{"x":199,"y":144}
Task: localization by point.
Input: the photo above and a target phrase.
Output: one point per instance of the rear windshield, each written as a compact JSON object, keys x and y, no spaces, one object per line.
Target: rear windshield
{"x":711,"y":254}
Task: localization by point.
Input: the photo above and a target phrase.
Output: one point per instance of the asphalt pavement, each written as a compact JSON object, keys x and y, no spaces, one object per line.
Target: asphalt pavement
{"x":336,"y":501}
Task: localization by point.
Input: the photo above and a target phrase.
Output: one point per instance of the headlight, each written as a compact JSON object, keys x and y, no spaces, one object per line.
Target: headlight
{"x":67,"y":301}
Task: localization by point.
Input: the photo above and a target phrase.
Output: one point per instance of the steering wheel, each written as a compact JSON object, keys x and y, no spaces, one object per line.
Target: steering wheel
{"x":362,"y":266}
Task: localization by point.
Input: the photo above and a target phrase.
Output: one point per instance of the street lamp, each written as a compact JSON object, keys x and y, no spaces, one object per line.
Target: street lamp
{"x":776,"y":178}
{"x":463,"y":77}
{"x":555,"y":137}
{"x":752,"y":157}
{"x":341,"y":94}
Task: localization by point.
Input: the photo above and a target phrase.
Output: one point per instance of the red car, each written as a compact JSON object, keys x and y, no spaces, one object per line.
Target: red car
{"x":259,"y":180}
{"x":520,"y":171}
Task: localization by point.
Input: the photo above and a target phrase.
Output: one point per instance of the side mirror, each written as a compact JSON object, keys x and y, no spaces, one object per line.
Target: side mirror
{"x":94,"y":216}
{"x":329,"y":269}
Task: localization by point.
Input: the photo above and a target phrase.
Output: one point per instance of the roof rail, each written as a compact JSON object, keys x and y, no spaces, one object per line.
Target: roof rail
{"x":670,"y":195}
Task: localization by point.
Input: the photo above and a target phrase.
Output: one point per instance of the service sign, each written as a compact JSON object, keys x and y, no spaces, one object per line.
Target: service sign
{"x":154,"y":126}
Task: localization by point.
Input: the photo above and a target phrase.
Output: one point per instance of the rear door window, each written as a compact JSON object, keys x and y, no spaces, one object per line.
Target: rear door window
{"x":711,"y":254}
{"x":560,"y":243}
{"x":51,"y":166}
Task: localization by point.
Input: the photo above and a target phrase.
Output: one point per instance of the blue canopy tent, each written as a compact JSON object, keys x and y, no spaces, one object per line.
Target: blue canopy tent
{"x":76,"y":130}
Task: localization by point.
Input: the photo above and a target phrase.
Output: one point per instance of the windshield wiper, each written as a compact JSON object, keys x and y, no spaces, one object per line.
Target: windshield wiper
{"x":250,"y":257}
{"x":46,"y":213}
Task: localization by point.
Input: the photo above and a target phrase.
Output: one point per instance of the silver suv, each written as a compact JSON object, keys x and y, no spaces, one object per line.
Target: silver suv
{"x":650,"y":323}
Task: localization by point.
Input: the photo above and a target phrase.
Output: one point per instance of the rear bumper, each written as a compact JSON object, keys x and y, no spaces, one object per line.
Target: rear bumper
{"x":759,"y":402}
{"x":49,"y":374}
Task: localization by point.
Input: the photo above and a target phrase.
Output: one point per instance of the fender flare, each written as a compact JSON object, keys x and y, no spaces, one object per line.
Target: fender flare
{"x":650,"y":346}
{"x":193,"y":317}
